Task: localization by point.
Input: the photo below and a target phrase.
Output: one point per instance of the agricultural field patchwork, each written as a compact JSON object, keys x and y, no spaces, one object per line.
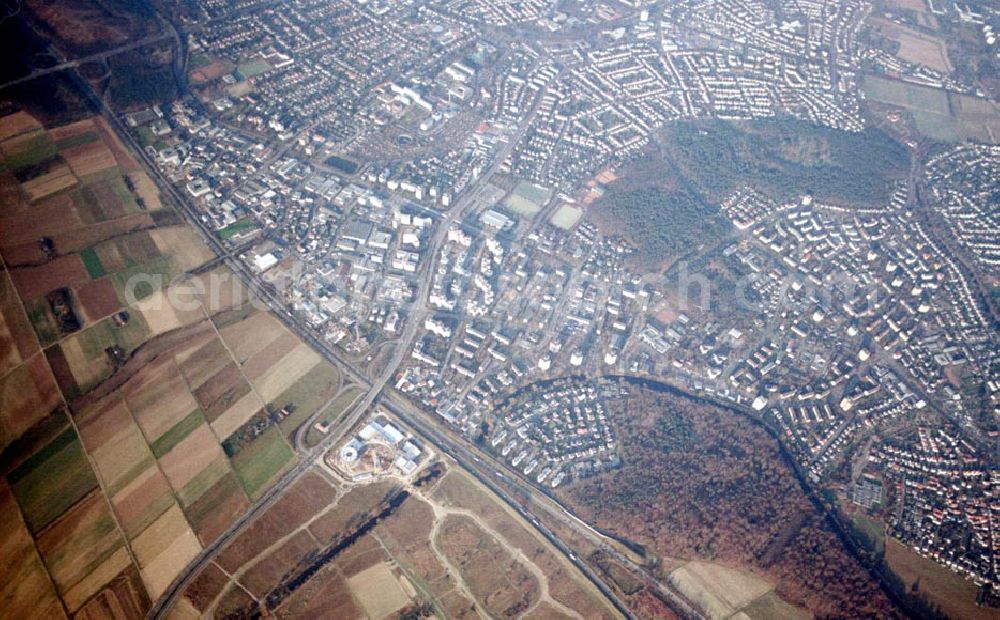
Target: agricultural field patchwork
{"x":124,"y":415}
{"x":388,"y":547}
{"x":27,"y":588}
{"x":28,"y":393}
{"x":944,"y":116}
{"x":52,"y":480}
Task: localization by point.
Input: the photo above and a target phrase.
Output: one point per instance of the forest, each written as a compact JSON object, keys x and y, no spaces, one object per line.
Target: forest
{"x":137,"y":81}
{"x":786,"y":159}
{"x":664,"y":221}
{"x":700,"y":482}
{"x":666,"y":200}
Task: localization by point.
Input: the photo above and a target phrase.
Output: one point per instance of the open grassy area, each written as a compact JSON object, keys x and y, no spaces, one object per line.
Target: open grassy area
{"x":720,"y":590}
{"x":253,"y":68}
{"x":334,"y":411}
{"x":908,"y":95}
{"x":200,"y":60}
{"x":872,"y":528}
{"x":145,"y":135}
{"x":620,"y":576}
{"x":528,"y":198}
{"x":772,"y":606}
{"x":566,"y":217}
{"x":954,"y":594}
{"x":936,"y":113}
{"x":307,"y":395}
{"x":237,"y":227}
{"x":261,"y":460}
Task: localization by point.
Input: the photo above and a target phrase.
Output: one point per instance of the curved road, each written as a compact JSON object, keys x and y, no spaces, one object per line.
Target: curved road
{"x":375,"y":389}
{"x":78,"y":62}
{"x":415,"y":318}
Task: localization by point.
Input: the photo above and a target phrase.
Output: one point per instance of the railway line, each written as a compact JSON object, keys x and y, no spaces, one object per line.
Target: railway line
{"x":374,"y":390}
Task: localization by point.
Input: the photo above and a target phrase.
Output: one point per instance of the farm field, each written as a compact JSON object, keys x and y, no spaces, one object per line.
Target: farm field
{"x":82,"y":550}
{"x":16,"y":340}
{"x":943,"y":116}
{"x":26,"y":587}
{"x":117,"y":407}
{"x":438,"y":549}
{"x":28,"y":393}
{"x":917,"y":47}
{"x":52,"y":480}
{"x":722,"y":591}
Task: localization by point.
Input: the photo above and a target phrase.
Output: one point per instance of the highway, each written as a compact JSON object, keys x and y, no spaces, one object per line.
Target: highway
{"x":481,"y":465}
{"x":78,"y":62}
{"x":492,"y":473}
{"x":374,"y":389}
{"x":356,"y":376}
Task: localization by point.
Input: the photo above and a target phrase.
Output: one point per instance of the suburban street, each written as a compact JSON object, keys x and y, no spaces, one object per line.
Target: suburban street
{"x":374,"y":389}
{"x":481,"y":226}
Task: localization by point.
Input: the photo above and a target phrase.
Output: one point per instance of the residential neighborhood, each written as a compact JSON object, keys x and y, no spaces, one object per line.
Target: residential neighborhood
{"x":415,"y":183}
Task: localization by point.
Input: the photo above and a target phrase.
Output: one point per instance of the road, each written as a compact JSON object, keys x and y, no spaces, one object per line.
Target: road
{"x":78,"y":62}
{"x":482,"y":465}
{"x":161,"y":606}
{"x":374,"y":389}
